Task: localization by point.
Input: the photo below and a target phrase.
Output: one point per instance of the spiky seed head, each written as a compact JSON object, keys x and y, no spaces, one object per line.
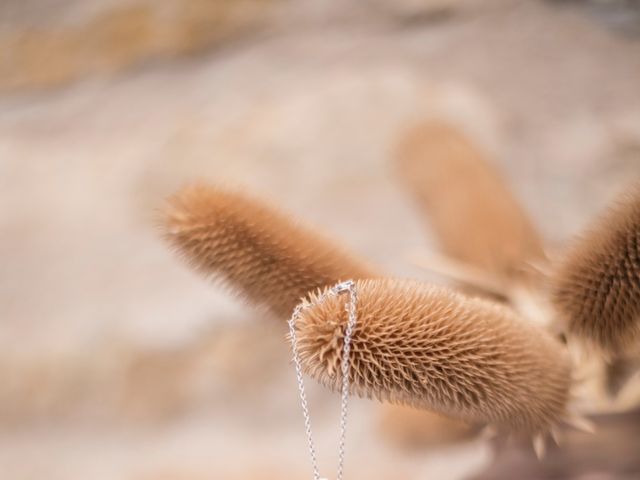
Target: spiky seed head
{"x":435,"y":349}
{"x":261,"y":253}
{"x":463,"y":197}
{"x":596,"y":289}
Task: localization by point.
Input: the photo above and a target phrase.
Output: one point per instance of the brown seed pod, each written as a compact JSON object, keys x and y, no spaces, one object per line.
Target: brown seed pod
{"x":463,"y":197}
{"x":435,"y":349}
{"x":260,"y":252}
{"x":596,"y":289}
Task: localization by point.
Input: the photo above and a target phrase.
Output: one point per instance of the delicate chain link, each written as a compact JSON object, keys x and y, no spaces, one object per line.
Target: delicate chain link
{"x":350,"y":307}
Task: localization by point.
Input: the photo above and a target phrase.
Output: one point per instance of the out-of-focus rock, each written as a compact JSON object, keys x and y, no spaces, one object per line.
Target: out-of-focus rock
{"x":416,"y":11}
{"x":610,"y":453}
{"x":38,"y":53}
{"x":266,"y":472}
{"x":620,"y":15}
{"x":134,"y":384}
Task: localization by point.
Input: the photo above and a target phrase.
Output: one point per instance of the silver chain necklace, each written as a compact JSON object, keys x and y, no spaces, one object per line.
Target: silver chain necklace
{"x":350,"y":287}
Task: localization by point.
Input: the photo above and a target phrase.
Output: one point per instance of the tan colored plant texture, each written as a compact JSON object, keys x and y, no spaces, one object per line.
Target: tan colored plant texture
{"x":261,"y":253}
{"x":479,"y":360}
{"x":266,"y":257}
{"x":269,"y":258}
{"x":489,"y":244}
{"x":427,"y":346}
{"x":465,"y":201}
{"x":597,"y":286}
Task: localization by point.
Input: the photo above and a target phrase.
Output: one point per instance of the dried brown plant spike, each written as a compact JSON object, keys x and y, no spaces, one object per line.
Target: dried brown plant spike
{"x":463,"y":197}
{"x":435,"y":349}
{"x":596,"y":289}
{"x":260,"y":252}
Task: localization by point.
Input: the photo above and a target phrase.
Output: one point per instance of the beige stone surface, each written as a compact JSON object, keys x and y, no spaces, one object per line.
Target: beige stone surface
{"x":51,"y":47}
{"x":118,"y":362}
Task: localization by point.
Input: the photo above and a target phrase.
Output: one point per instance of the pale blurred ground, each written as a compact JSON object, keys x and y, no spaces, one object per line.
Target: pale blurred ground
{"x":117,"y":362}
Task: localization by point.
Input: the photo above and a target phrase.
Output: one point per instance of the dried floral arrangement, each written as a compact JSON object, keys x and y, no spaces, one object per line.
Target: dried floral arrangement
{"x":496,"y":347}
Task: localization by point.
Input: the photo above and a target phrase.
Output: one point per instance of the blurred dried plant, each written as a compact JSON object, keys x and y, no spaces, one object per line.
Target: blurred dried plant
{"x":414,"y":428}
{"x":267,"y":258}
{"x":596,"y":289}
{"x":119,"y":36}
{"x":466,"y":202}
{"x":259,"y":252}
{"x":272,"y":260}
{"x":429,"y":347}
{"x":489,"y":245}
{"x":482,"y":361}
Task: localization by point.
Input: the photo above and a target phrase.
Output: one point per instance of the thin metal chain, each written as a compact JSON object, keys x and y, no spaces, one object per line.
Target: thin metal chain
{"x":351,"y":308}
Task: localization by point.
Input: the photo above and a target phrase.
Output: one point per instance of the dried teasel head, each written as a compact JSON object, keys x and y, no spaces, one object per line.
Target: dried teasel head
{"x":435,"y":349}
{"x":596,"y":289}
{"x":463,"y":197}
{"x":261,"y":253}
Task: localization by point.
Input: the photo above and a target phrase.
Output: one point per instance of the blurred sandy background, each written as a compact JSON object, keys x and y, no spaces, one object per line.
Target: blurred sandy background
{"x":116,"y":361}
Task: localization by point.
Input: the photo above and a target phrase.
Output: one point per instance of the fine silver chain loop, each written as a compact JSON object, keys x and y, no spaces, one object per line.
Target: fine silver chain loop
{"x":350,"y":287}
